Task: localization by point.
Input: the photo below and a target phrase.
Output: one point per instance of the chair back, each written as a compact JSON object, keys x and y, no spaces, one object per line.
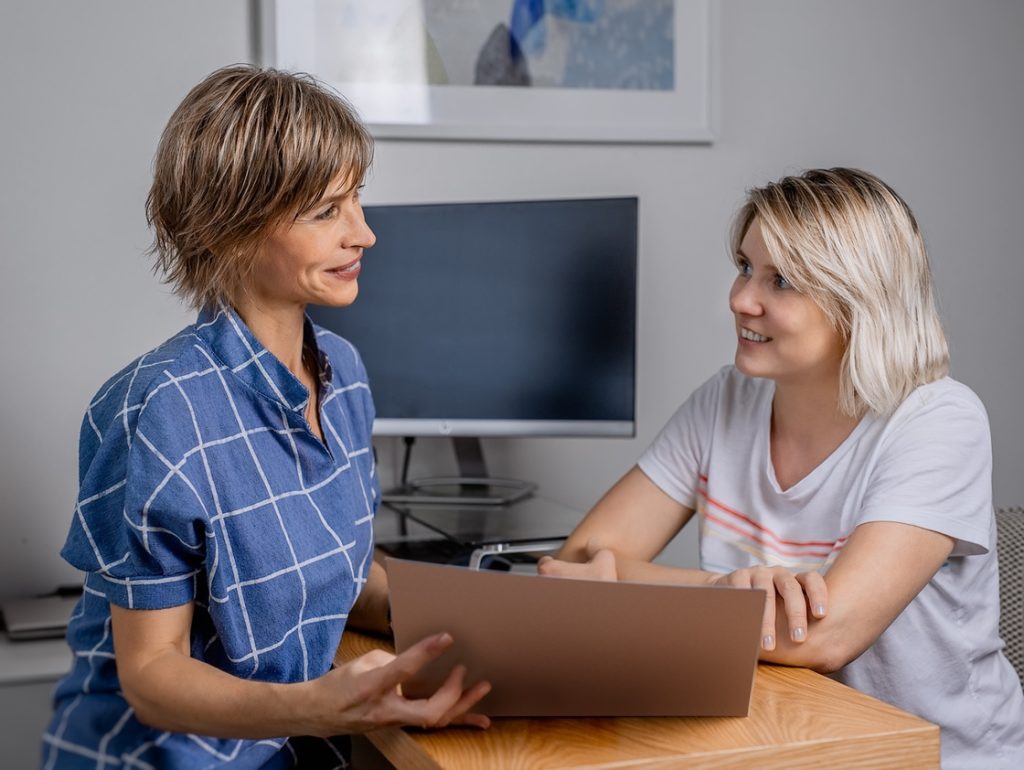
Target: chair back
{"x":1010,"y":549}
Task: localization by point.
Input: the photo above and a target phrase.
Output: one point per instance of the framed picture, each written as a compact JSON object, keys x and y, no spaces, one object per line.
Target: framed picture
{"x":520,"y":70}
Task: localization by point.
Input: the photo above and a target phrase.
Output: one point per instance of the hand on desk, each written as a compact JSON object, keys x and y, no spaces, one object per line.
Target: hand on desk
{"x":796,"y":592}
{"x":600,"y":565}
{"x":365,"y":694}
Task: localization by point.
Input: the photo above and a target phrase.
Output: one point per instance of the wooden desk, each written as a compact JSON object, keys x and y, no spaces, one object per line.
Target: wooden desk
{"x":798,"y":719}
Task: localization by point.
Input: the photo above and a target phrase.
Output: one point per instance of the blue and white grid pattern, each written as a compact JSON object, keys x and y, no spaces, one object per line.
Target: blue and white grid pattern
{"x":200,"y":481}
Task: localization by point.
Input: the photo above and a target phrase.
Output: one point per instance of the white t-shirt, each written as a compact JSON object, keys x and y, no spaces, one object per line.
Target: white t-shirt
{"x":929,"y":464}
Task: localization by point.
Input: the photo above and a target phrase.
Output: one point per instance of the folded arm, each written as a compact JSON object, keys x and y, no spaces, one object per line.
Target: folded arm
{"x":880,"y":570}
{"x":822,"y":622}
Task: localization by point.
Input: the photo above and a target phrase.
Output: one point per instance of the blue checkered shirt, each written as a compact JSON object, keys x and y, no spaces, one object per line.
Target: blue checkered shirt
{"x":200,"y":481}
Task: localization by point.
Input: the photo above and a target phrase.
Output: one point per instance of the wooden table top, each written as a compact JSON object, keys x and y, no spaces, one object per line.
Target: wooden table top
{"x":798,"y":719}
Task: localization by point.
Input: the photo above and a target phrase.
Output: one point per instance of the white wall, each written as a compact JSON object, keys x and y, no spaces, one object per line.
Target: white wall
{"x":923,"y":92}
{"x":87,"y":88}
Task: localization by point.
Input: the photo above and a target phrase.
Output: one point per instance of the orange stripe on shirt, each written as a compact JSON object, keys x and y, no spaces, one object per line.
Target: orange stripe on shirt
{"x":732,"y":511}
{"x":778,"y":547}
{"x":822,"y":553}
{"x":807,"y":563}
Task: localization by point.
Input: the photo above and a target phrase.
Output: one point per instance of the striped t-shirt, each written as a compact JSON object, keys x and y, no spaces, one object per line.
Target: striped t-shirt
{"x":929,"y":464}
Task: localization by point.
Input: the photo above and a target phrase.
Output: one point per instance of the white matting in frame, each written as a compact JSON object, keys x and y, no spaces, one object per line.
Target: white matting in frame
{"x":412,"y":68}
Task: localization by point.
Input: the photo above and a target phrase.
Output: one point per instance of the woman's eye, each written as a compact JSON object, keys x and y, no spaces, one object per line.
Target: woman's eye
{"x":328,"y":212}
{"x":782,"y":283}
{"x":744,"y":267}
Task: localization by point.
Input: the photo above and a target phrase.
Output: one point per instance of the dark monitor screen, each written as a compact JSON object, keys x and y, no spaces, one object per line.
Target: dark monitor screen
{"x":498,"y":319}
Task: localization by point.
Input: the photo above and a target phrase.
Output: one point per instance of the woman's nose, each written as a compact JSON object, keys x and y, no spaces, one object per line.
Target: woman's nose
{"x":744,"y":298}
{"x":369,"y":238}
{"x":360,"y":233}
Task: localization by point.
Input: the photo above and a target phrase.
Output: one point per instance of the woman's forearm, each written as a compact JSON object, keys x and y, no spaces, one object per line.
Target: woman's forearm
{"x":639,"y":571}
{"x":172,"y":691}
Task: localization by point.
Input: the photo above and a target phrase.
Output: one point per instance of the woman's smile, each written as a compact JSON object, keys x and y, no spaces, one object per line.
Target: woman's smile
{"x":348,"y":272}
{"x":752,"y":336}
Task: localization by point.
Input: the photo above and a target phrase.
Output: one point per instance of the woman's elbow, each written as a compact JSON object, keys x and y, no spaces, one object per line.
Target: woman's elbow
{"x":823,"y":652}
{"x":141,"y":707}
{"x":145,"y":707}
{"x":828,"y":662}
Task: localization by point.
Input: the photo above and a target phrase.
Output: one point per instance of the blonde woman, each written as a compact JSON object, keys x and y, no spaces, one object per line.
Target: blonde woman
{"x":227,"y":485}
{"x":836,"y":466}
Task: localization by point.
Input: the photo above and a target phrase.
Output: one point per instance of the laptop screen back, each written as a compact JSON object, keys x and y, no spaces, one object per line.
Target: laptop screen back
{"x":562,"y":647}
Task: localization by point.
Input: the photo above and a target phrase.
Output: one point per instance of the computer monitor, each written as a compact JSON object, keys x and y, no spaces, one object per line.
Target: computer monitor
{"x":513,"y":318}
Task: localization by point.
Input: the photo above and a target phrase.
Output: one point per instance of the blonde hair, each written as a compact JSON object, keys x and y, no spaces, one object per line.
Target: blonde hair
{"x":845,"y":239}
{"x":246,"y":150}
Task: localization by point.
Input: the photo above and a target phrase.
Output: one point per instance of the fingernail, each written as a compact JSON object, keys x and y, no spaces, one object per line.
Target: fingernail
{"x":768,"y":642}
{"x":819,"y":610}
{"x":445,"y":638}
{"x":799,"y":634}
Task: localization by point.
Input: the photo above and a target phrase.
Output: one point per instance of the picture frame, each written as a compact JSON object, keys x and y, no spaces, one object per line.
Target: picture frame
{"x":396,"y":70}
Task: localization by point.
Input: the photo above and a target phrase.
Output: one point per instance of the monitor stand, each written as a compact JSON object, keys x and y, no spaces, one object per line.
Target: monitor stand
{"x":471,"y":487}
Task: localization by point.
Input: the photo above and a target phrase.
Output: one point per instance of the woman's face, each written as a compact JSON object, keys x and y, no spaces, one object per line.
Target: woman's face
{"x":781,"y":334}
{"x":317,"y":258}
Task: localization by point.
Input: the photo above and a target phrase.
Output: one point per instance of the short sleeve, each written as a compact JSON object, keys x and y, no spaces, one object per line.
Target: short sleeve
{"x":674,"y":458}
{"x":141,"y":517}
{"x":934,"y":469}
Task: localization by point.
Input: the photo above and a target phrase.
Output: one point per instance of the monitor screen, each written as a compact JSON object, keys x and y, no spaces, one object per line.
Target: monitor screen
{"x":498,"y":319}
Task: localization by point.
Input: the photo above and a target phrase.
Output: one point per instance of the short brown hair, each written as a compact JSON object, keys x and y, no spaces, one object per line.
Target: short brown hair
{"x":845,"y":239}
{"x":246,"y":150}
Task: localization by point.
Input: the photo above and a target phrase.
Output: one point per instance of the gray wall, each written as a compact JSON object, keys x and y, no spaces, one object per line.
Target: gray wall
{"x":925,"y":93}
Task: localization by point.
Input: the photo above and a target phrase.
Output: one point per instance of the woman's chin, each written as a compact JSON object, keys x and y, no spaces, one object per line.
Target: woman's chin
{"x":750,"y":368}
{"x":336,"y":297}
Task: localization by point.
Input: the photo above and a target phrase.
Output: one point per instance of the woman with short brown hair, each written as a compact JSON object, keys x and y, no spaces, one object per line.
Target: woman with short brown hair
{"x":227,"y":479}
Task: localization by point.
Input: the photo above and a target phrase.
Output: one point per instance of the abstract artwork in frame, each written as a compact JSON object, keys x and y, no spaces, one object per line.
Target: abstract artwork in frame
{"x":512,"y":70}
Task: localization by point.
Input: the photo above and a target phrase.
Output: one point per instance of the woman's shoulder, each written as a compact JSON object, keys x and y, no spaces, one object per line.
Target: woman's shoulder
{"x":945,"y":416}
{"x":133,"y":386}
{"x":939,"y":399}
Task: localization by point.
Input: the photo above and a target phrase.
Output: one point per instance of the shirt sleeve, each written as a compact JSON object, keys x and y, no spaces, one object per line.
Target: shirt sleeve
{"x":935,"y":469}
{"x":674,"y":459}
{"x":141,"y":516}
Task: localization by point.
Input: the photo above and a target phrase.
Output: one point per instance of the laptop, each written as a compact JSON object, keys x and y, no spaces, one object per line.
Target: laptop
{"x":560,"y":647}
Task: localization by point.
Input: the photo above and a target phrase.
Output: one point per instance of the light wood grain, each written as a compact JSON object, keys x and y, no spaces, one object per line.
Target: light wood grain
{"x":798,"y":719}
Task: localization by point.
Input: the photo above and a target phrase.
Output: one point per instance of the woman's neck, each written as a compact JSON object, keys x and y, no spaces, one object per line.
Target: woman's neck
{"x":803,"y":411}
{"x":279,"y":329}
{"x":806,"y":427}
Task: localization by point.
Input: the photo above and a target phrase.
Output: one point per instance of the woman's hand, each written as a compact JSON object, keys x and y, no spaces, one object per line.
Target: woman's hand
{"x":365,"y":694}
{"x":796,"y":591}
{"x":170,"y":690}
{"x":600,"y":565}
